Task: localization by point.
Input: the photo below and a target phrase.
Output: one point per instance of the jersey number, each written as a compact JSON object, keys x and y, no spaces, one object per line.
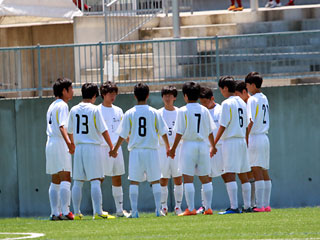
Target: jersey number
{"x":84,"y":123}
{"x":142,"y":127}
{"x":240,"y":112}
{"x":50,"y":119}
{"x":265,"y":108}
{"x":198,"y":115}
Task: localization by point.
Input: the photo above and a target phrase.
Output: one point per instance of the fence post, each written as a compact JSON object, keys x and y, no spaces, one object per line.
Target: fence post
{"x":39,"y":71}
{"x":105,"y":20}
{"x":254,"y":5}
{"x":217,"y":58}
{"x":175,"y":18}
{"x":101,"y":62}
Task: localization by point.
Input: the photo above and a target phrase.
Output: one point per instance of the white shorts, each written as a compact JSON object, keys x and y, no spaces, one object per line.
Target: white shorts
{"x":88,"y":162}
{"x":112,"y":166}
{"x":235,"y":155}
{"x":259,"y":151}
{"x":195,"y":158}
{"x":217,"y":163}
{"x":169,"y":167}
{"x":58,"y":157}
{"x":144,"y":165}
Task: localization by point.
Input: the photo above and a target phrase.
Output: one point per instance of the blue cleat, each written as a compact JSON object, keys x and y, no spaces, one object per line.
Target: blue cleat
{"x":133,"y":215}
{"x":230,"y":211}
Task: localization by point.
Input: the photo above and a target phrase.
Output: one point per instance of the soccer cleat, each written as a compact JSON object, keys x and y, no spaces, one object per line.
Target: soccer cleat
{"x":290,"y":3}
{"x":259,"y":209}
{"x":124,"y":213}
{"x":271,"y":4}
{"x":133,"y":215}
{"x":230,"y":211}
{"x":164,"y":211}
{"x":177,"y":211}
{"x":247,"y":210}
{"x":208,"y":212}
{"x":54,"y":218}
{"x":187,"y":212}
{"x":104,"y":215}
{"x":238,"y":9}
{"x":70,"y":216}
{"x":78,"y":216}
{"x":160,"y":213}
{"x":267,"y":209}
{"x":200,"y":210}
{"x":231,"y":8}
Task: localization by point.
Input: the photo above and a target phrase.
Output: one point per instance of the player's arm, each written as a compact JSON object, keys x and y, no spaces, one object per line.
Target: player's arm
{"x":114,"y":151}
{"x":248,"y":130}
{"x":106,"y":137}
{"x":213,"y":149}
{"x":66,"y":138}
{"x":166,"y":142}
{"x":172,"y":151}
{"x":219,"y":134}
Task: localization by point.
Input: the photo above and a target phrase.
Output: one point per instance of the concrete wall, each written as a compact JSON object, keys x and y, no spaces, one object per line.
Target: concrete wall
{"x":294,"y":138}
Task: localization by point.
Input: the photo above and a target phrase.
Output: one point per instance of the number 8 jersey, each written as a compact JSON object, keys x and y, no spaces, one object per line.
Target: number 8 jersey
{"x":86,"y":124}
{"x":234,"y":118}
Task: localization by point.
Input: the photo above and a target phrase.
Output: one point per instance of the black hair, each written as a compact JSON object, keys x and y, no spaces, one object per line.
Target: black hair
{"x":206,"y":92}
{"x":108,"y":87}
{"x":192,"y":90}
{"x":241,"y":85}
{"x":169,"y":90}
{"x":59,"y":85}
{"x":89,"y":90}
{"x":228,"y":82}
{"x":141,"y":91}
{"x":254,"y":77}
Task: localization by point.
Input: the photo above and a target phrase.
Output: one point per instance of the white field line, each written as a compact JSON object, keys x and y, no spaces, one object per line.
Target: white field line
{"x":30,"y":235}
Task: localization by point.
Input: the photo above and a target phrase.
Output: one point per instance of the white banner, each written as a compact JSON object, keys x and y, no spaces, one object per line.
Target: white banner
{"x":39,"y":8}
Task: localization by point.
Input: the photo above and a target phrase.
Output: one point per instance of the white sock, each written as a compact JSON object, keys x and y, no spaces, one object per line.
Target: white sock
{"x":253,"y":192}
{"x":267,"y":192}
{"x":117,"y":194}
{"x":202,"y":197}
{"x":178,"y":195}
{"x":77,"y":196}
{"x":164,"y":197}
{"x":96,"y":196}
{"x":133,"y":194}
{"x":259,"y":193}
{"x":65,"y":197}
{"x":54,"y":199}
{"x":156,"y":188}
{"x":189,"y":193}
{"x":232,"y":189}
{"x":246,"y":194}
{"x":207,"y":195}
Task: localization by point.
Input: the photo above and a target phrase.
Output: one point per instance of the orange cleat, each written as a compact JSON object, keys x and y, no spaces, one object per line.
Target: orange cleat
{"x":187,"y":212}
{"x":232,"y":7}
{"x":208,"y":212}
{"x":238,"y":9}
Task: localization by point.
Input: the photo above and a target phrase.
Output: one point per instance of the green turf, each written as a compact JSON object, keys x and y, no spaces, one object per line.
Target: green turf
{"x":301,"y":223}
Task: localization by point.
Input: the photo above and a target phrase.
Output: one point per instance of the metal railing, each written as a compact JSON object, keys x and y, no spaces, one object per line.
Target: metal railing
{"x":174,"y":61}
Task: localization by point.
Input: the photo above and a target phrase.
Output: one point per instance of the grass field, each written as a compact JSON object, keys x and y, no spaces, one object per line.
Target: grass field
{"x":301,"y":223}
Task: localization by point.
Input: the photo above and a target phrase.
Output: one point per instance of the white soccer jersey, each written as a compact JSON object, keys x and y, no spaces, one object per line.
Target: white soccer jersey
{"x":258,"y":112}
{"x":194,"y":122}
{"x":112,"y":117}
{"x":170,"y":119}
{"x":57,"y":116}
{"x":234,"y":117}
{"x":143,"y":124}
{"x":86,"y":124}
{"x":215,"y":114}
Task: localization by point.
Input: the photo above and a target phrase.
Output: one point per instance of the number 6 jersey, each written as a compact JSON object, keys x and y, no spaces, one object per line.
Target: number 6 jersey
{"x":86,"y":124}
{"x":142,"y":124}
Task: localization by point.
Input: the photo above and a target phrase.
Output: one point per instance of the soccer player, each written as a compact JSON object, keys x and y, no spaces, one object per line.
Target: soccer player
{"x":113,"y":167}
{"x":194,"y":125}
{"x":170,"y":167}
{"x":232,"y":131}
{"x":207,"y":100}
{"x":88,"y":130}
{"x":58,"y":150}
{"x":142,"y":124}
{"x":258,"y":141}
{"x":242,"y":92}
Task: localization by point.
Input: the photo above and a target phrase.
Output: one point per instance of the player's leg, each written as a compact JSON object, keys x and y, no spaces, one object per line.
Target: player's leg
{"x":65,"y":195}
{"x":232,"y":189}
{"x":178,"y":194}
{"x":133,"y":195}
{"x":54,"y":196}
{"x":164,"y":195}
{"x":259,"y":187}
{"x":252,"y":180}
{"x":189,"y":192}
{"x":207,"y":193}
{"x":246,"y":191}
{"x":76,"y":198}
{"x":117,"y":194}
{"x":267,"y":190}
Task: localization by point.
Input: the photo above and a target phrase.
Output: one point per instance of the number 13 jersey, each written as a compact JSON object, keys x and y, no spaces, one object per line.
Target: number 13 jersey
{"x":86,"y":124}
{"x":234,"y":118}
{"x":142,"y":124}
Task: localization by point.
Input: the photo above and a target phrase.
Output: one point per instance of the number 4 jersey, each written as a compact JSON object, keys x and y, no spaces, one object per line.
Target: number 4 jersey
{"x":234,"y":118}
{"x":142,"y":124}
{"x":86,"y":124}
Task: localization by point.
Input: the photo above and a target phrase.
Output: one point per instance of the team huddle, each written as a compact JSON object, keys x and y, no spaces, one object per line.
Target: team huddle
{"x":199,"y":139}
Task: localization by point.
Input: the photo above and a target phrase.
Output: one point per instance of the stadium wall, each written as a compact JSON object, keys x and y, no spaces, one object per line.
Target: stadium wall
{"x":294,"y":140}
